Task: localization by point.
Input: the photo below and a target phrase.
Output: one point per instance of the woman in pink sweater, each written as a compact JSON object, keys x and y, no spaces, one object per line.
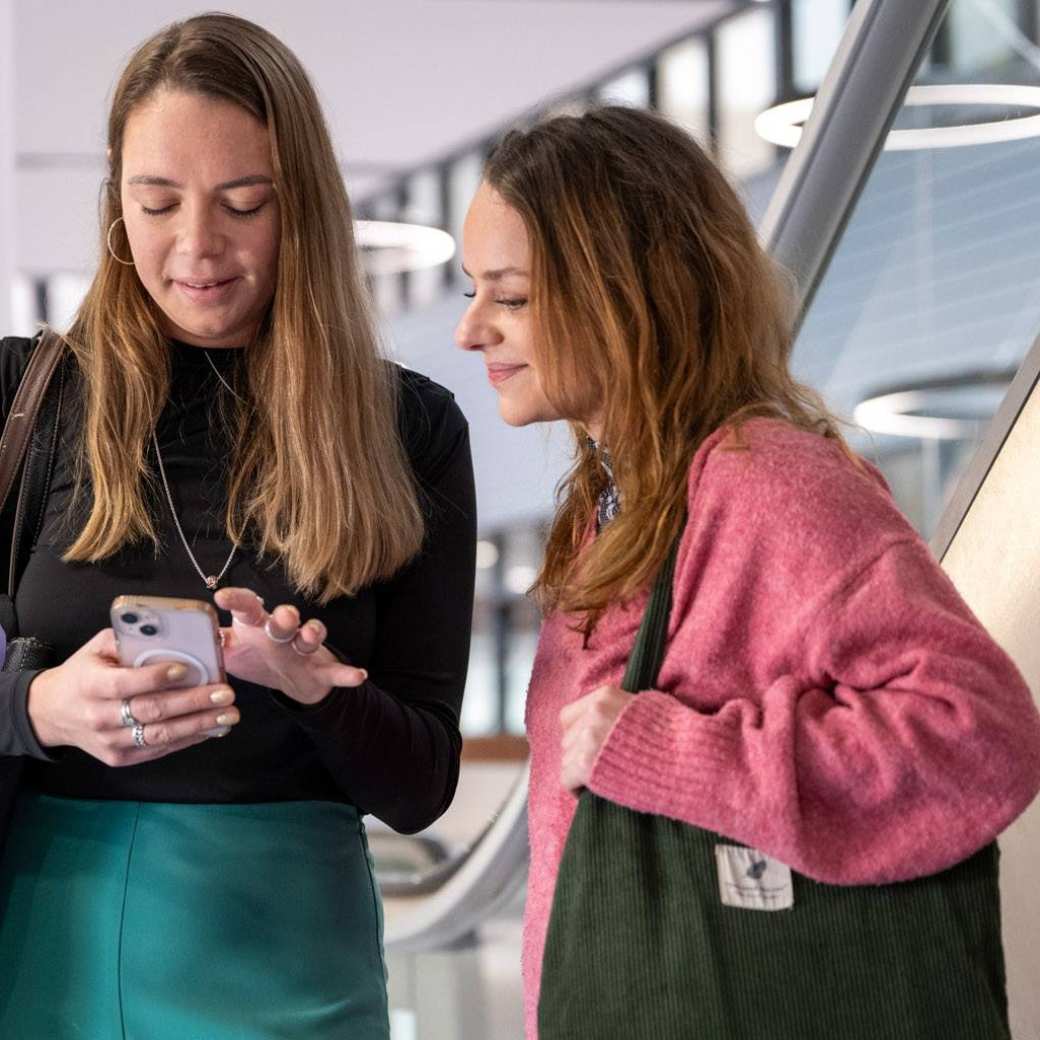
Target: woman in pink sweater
{"x":826,"y":696}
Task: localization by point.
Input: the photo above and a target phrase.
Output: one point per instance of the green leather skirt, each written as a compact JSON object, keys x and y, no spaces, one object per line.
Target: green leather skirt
{"x":153,"y":921}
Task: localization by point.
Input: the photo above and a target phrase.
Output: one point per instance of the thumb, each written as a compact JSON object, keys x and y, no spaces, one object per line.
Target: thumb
{"x":103,"y":644}
{"x":346,"y":675}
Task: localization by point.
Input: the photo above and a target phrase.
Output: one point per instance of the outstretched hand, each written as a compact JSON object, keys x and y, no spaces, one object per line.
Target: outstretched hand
{"x":277,"y":650}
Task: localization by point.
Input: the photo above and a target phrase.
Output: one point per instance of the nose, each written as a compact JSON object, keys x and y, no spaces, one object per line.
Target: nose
{"x":198,"y":236}
{"x":464,"y":338}
{"x":474,"y":331}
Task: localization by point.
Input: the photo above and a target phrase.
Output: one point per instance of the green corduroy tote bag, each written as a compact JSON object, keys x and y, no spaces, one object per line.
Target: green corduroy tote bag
{"x":642,"y":945}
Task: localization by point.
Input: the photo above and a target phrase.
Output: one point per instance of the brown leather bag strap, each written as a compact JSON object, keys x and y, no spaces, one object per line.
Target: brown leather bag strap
{"x":24,"y":408}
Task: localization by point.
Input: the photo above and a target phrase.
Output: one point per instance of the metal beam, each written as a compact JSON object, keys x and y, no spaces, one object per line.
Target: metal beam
{"x":997,"y":433}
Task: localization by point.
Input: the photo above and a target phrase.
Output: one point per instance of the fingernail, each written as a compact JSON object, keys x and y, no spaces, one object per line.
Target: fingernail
{"x":176,"y":671}
{"x":227,"y":719}
{"x":364,"y":674}
{"x":222,"y":696}
{"x":222,"y":732}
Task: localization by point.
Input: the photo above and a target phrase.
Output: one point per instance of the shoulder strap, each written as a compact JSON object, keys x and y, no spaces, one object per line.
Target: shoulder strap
{"x":648,"y":652}
{"x":30,"y":436}
{"x":26,"y":404}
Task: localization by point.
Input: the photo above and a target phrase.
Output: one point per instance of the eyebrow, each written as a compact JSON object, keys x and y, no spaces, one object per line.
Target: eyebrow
{"x":498,"y":274}
{"x":165,"y":182}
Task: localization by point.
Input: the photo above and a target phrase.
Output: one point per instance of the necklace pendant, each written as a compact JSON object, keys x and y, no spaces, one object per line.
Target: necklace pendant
{"x":211,"y":582}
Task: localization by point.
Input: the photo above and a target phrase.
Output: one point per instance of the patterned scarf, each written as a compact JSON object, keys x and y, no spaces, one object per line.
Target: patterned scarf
{"x":609,"y":503}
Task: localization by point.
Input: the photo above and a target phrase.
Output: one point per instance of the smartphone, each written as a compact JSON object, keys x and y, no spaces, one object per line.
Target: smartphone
{"x":161,"y":629}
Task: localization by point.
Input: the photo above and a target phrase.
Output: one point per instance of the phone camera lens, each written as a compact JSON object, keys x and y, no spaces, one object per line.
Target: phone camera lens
{"x":148,"y":630}
{"x":128,"y":619}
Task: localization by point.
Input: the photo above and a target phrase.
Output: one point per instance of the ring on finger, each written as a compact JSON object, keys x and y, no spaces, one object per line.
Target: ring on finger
{"x":273,"y":637}
{"x":138,"y":735}
{"x":303,"y":653}
{"x":126,"y":716}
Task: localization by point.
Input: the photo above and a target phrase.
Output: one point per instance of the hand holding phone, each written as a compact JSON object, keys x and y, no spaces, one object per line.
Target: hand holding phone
{"x":150,"y":685}
{"x":166,"y":630}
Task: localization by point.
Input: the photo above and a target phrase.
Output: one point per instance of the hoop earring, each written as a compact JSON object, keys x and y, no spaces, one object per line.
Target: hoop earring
{"x":111,"y":251}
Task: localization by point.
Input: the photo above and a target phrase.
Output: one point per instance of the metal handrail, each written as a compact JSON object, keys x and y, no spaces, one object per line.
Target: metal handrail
{"x":478,"y":884}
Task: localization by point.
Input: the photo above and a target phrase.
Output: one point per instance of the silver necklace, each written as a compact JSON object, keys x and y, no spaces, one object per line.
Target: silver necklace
{"x":216,"y":372}
{"x":211,"y":580}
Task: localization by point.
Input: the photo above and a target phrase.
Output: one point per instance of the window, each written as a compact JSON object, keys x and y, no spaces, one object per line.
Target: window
{"x":816,"y":26}
{"x":463,"y":180}
{"x":931,"y":300}
{"x":424,"y":207}
{"x":683,"y":86}
{"x":65,"y":293}
{"x":746,"y":83}
{"x":983,"y":33}
{"x":23,"y":307}
{"x":631,"y":88}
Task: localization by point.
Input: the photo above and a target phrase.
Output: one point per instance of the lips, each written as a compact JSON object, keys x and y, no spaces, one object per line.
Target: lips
{"x":202,"y":283}
{"x":200,"y":290}
{"x":498,"y":372}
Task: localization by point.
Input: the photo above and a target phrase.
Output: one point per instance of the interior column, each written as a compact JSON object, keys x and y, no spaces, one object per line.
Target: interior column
{"x":7,"y":165}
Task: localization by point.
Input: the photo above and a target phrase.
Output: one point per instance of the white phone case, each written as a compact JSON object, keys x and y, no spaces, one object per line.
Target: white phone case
{"x":159,"y":629}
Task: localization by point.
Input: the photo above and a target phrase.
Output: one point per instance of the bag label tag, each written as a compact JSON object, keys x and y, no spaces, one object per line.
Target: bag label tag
{"x":751,"y":880}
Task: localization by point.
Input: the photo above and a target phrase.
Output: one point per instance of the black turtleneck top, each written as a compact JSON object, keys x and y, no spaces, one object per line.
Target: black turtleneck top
{"x":391,"y":746}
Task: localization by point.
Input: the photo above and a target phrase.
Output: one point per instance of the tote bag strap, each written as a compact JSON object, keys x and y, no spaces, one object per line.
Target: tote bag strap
{"x":648,"y":652}
{"x":33,"y":411}
{"x":14,"y":441}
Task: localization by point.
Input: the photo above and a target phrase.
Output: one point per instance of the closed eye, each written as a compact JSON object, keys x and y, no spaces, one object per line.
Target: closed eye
{"x":232,"y":210}
{"x":244,"y":212}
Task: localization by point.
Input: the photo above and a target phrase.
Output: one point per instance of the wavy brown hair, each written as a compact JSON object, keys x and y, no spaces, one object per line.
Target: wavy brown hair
{"x":655,"y":309}
{"x":319,"y":477}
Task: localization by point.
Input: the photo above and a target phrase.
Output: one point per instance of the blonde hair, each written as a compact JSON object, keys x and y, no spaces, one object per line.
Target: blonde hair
{"x":653,"y":301}
{"x":319,"y":476}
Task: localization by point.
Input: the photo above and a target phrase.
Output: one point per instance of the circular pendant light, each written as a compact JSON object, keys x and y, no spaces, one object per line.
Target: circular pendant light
{"x":389,"y":247}
{"x":951,"y":407}
{"x":782,"y":124}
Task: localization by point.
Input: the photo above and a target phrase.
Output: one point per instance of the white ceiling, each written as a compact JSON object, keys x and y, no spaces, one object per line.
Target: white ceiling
{"x":402,"y":81}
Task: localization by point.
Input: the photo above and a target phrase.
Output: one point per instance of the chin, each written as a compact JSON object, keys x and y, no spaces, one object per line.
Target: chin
{"x":223,"y":333}
{"x":513,"y":416}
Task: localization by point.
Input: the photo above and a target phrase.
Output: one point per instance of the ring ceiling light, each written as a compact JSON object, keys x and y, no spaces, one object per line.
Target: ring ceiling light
{"x":388,"y":247}
{"x":782,"y":124}
{"x":949,"y":408}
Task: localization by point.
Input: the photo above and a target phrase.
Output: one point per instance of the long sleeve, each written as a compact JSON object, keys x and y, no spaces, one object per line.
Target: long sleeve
{"x":827,"y":697}
{"x":394,"y":742}
{"x":16,"y":732}
{"x":390,"y":747}
{"x":908,"y":743}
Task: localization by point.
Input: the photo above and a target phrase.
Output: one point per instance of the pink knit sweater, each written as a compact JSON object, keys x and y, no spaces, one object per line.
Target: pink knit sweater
{"x":826,"y":696}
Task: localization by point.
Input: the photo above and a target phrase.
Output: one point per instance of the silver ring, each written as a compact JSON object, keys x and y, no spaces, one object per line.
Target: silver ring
{"x":138,"y":735}
{"x":125,"y":714}
{"x":277,"y":639}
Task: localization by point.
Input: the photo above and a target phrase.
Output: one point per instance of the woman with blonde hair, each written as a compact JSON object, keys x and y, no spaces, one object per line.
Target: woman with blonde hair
{"x":793,"y":741}
{"x":227,"y":423}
